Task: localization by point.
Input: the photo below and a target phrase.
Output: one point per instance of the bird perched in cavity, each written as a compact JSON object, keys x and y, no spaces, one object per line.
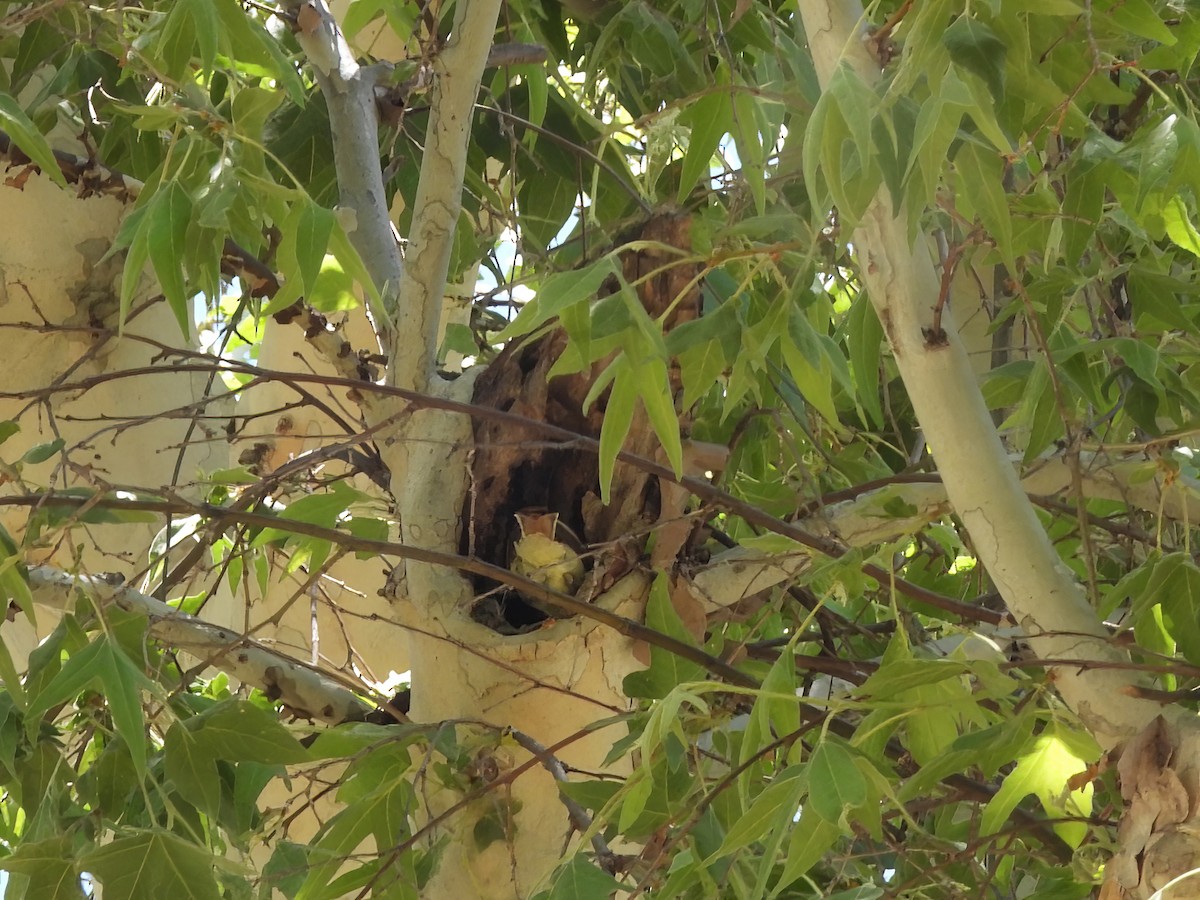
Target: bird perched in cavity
{"x":547,"y":552}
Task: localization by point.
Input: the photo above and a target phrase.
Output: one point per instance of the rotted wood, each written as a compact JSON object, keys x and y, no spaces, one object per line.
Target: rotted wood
{"x":516,"y":467}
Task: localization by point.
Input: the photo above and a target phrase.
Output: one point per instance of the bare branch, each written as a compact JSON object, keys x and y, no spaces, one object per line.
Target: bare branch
{"x":580,"y":820}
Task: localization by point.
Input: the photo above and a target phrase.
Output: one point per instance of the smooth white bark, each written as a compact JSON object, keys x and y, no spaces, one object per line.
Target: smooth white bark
{"x":900,"y":279}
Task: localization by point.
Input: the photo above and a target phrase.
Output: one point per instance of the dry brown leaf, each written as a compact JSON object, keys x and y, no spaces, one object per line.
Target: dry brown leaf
{"x":689,"y":608}
{"x":1156,"y":802}
{"x":690,"y":611}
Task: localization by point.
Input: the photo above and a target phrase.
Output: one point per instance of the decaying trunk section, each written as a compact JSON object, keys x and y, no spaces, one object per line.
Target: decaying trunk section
{"x":500,"y":661}
{"x":517,"y":468}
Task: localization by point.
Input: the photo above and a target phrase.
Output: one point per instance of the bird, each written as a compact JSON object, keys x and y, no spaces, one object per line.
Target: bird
{"x":548,"y":553}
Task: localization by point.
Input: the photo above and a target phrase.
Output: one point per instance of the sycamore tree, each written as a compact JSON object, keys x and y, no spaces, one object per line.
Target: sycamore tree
{"x":692,"y":448}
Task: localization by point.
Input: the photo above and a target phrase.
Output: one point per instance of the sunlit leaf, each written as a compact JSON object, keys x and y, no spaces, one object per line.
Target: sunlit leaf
{"x":1045,"y":770}
{"x":27,"y":136}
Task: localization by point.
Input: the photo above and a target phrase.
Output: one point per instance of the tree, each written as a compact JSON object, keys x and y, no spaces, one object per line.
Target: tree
{"x":761,"y":429}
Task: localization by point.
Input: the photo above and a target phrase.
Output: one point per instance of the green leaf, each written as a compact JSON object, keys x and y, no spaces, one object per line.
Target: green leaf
{"x":835,"y":783}
{"x":593,"y":795}
{"x":166,"y":242}
{"x":27,"y":136}
{"x":1046,"y":425}
{"x":368,"y":528}
{"x":810,"y":840}
{"x":774,"y":809}
{"x":250,"y":42}
{"x":312,"y":226}
{"x":205,"y":29}
{"x":333,"y":291}
{"x":935,"y":711}
{"x":105,"y":667}
{"x":252,"y":107}
{"x":134,"y":237}
{"x":11,"y":681}
{"x":382,"y":814}
{"x":618,"y":418}
{"x":981,"y":180}
{"x":710,"y":118}
{"x":1156,"y":152}
{"x":748,"y":140}
{"x":558,"y":292}
{"x":775,"y":711}
{"x":580,"y":878}
{"x":992,"y":748}
{"x":14,"y":586}
{"x":897,"y":676}
{"x":172,"y":44}
{"x":857,"y":104}
{"x":352,"y":264}
{"x":977,"y":48}
{"x":50,"y":867}
{"x":864,"y":336}
{"x":634,"y":797}
{"x":1180,"y":599}
{"x":1137,"y":16}
{"x":239,"y":731}
{"x":1179,"y":226}
{"x":666,"y":670}
{"x":1082,"y":209}
{"x":111,"y":781}
{"x":39,"y":453}
{"x":323,"y":509}
{"x":1045,"y":770}
{"x":700,"y":367}
{"x":654,"y":388}
{"x":287,"y":867}
{"x":1142,"y":359}
{"x":352,"y":738}
{"x":192,"y":769}
{"x":153,"y":865}
{"x":808,"y":367}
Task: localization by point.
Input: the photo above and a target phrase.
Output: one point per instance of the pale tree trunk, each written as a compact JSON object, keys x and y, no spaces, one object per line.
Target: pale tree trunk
{"x":550,"y":685}
{"x":58,"y":322}
{"x":1160,"y":770}
{"x":341,"y":619}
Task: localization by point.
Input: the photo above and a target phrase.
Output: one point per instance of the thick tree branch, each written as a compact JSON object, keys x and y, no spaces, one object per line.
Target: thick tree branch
{"x":457,"y":72}
{"x":903,"y":286}
{"x":433,"y":558}
{"x":349,"y":91}
{"x":746,"y":569}
{"x":867,"y":519}
{"x":306,"y":691}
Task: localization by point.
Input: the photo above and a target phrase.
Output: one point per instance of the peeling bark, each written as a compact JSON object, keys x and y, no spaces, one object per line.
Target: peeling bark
{"x":1159,"y":836}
